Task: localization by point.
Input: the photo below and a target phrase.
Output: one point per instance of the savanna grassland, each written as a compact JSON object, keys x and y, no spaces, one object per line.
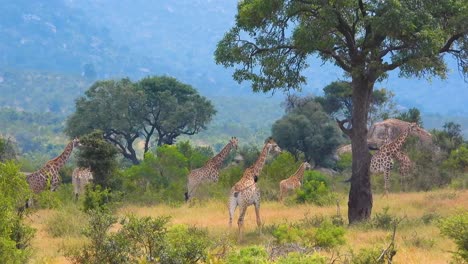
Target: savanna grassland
{"x":418,"y":238}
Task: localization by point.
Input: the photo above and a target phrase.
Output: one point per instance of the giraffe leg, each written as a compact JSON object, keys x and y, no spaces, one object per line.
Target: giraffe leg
{"x":240,"y":222}
{"x":386,"y":182}
{"x":257,"y":214}
{"x":232,"y":208}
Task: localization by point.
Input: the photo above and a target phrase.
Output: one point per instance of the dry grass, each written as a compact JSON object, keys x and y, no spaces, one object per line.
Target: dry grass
{"x":416,"y":242}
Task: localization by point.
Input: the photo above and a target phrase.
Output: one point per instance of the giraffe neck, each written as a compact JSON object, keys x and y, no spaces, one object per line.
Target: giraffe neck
{"x":398,"y":143}
{"x":217,"y":160}
{"x":60,"y":160}
{"x":300,"y":172}
{"x":258,"y":165}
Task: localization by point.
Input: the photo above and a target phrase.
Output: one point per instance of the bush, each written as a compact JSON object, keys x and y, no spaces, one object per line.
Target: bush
{"x":456,"y":228}
{"x":345,"y":162}
{"x":185,"y":245}
{"x":384,"y":220}
{"x":248,"y":255}
{"x":15,"y":236}
{"x":95,"y":198}
{"x":329,"y":235}
{"x":297,"y":258}
{"x":316,"y":189}
{"x":288,"y":233}
{"x":368,"y":256}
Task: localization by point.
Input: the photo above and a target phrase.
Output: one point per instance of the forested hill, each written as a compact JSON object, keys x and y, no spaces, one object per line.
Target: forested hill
{"x":47,"y":45}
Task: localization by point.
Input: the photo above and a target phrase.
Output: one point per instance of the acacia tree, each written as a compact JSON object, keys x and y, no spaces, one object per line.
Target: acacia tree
{"x":173,"y":109}
{"x":115,"y":108}
{"x":158,"y":107}
{"x":272,"y":39}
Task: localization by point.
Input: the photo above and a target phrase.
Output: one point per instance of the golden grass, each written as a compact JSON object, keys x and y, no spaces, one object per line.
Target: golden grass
{"x":416,"y":243}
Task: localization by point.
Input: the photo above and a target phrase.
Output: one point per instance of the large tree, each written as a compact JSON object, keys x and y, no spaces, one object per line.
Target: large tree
{"x":272,"y":40}
{"x":306,"y":129}
{"x":115,"y":108}
{"x":158,"y":107}
{"x":173,"y":109}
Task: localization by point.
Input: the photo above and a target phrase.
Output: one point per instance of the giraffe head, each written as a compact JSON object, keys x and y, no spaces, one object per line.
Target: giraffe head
{"x":307,"y":166}
{"x":413,"y":127}
{"x":234,"y":142}
{"x":76,"y":143}
{"x":273,"y":146}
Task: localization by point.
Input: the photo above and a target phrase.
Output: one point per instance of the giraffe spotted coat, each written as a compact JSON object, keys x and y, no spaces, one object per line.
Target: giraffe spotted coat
{"x":294,"y":181}
{"x":80,"y":178}
{"x":246,"y":192}
{"x":210,"y":171}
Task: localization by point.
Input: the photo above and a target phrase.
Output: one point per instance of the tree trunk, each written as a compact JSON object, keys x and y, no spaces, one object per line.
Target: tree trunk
{"x":360,"y":194}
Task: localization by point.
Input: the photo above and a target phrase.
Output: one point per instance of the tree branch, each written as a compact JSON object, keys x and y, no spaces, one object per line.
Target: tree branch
{"x":449,"y":42}
{"x":345,"y":130}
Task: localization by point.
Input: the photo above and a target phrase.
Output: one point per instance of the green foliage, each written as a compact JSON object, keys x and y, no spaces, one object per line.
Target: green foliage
{"x":458,"y":159}
{"x":140,"y":239}
{"x":160,"y":107}
{"x":185,"y":245}
{"x":368,"y":256}
{"x":328,"y":235}
{"x":104,"y":247}
{"x":248,"y":255}
{"x":384,"y":220}
{"x":15,"y":236}
{"x":297,"y":258}
{"x":283,"y":166}
{"x":337,"y":100}
{"x":7,"y":150}
{"x":148,"y":235}
{"x":96,"y":198}
{"x":345,"y":162}
{"x":456,"y":228}
{"x":172,"y":108}
{"x":315,"y":189}
{"x":100,"y":156}
{"x":413,"y":115}
{"x":196,"y":156}
{"x":288,"y":233}
{"x":450,"y":138}
{"x":308,"y":130}
{"x":162,"y":174}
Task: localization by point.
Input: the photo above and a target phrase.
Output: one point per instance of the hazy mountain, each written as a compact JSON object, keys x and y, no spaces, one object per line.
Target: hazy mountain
{"x":135,"y":38}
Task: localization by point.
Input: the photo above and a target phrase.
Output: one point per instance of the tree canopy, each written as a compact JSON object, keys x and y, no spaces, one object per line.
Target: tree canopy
{"x":155,"y":107}
{"x":307,"y":130}
{"x":271,"y":42}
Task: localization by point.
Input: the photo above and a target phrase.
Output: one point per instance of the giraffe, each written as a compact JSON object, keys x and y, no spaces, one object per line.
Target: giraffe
{"x":405,"y":166}
{"x":246,"y":192}
{"x":210,"y":171}
{"x":49,"y":173}
{"x":80,"y":178}
{"x":294,"y":181}
{"x":383,"y":160}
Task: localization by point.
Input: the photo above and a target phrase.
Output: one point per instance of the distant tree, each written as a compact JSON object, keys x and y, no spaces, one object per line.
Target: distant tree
{"x":99,"y":155}
{"x":158,"y":107}
{"x":337,"y":100}
{"x":450,"y":138}
{"x":271,"y":41}
{"x":172,"y":109}
{"x":7,"y":149}
{"x":307,"y":130}
{"x":412,"y":115}
{"x":115,"y":108}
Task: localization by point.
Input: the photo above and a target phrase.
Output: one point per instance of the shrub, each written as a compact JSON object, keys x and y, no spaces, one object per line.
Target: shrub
{"x":345,"y":162}
{"x":287,"y":233}
{"x":329,"y":235}
{"x":248,"y":255}
{"x":384,"y":220}
{"x":185,"y":245}
{"x":316,"y":189}
{"x":368,"y":256}
{"x":456,"y":228}
{"x":104,"y":247}
{"x":15,"y":236}
{"x":298,"y":258}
